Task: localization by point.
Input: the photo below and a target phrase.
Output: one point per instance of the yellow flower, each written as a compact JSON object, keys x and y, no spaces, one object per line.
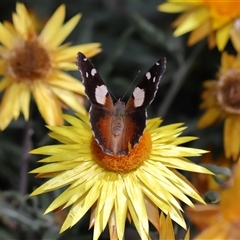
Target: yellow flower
{"x":221,"y":99}
{"x":33,"y":63}
{"x":220,"y":221}
{"x":134,"y":186}
{"x":204,"y":18}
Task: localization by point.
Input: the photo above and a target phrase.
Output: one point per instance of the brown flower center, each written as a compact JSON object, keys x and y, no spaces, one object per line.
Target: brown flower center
{"x":229,"y":91}
{"x":123,"y":164}
{"x":28,"y":61}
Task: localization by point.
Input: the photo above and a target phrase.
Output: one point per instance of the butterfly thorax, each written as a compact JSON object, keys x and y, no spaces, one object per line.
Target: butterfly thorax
{"x":118,"y":115}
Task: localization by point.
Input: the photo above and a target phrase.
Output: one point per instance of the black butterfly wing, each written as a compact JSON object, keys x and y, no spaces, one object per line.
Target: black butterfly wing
{"x":141,"y":98}
{"x":147,"y":88}
{"x":95,"y":88}
{"x":101,"y":103}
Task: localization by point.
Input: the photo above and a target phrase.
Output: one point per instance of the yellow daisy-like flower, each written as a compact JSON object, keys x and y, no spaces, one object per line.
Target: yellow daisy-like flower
{"x":204,"y":18}
{"x":33,"y":63}
{"x":134,"y":186}
{"x":221,"y":99}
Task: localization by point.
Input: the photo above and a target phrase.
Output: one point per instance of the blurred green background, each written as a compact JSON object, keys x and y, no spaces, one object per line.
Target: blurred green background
{"x":133,"y":35}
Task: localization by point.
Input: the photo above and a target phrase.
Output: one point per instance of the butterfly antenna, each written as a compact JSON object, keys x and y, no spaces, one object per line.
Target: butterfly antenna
{"x":131,"y":84}
{"x":112,"y":94}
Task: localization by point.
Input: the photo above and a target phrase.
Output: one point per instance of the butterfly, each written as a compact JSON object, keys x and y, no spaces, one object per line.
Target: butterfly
{"x":118,"y":127}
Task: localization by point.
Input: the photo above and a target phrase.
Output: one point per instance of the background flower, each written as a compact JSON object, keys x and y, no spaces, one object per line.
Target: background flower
{"x":32,"y":63}
{"x":205,"y":18}
{"x":221,"y":101}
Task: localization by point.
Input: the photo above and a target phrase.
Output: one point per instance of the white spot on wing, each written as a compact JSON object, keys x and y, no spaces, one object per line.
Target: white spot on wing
{"x":85,"y":59}
{"x":148,"y":75}
{"x":100,"y":94}
{"x":157,"y":63}
{"x":86,"y":74}
{"x":93,"y":72}
{"x":139,"y":96}
{"x":154,"y":79}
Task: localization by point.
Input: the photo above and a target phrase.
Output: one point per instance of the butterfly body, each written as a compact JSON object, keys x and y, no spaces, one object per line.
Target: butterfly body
{"x":118,"y":127}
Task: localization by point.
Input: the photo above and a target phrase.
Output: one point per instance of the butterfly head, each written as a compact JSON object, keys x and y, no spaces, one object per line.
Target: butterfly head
{"x":119,"y":109}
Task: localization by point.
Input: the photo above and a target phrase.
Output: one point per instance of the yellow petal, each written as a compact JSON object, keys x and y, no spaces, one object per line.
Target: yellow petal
{"x":5,"y":83}
{"x":6,"y":37}
{"x":70,"y":99}
{"x":209,"y":117}
{"x":175,"y":7}
{"x":66,"y":66}
{"x":64,"y":31}
{"x":187,"y":236}
{"x":67,"y":82}
{"x":212,"y":40}
{"x":80,"y":207}
{"x":153,"y":123}
{"x":227,"y":60}
{"x":113,"y":228}
{"x":199,"y":33}
{"x":77,"y":122}
{"x":15,"y":91}
{"x":9,"y":26}
{"x":104,"y":205}
{"x":166,"y":228}
{"x":53,"y":25}
{"x":22,"y":22}
{"x":222,"y":36}
{"x":69,"y":54}
{"x":24,"y":99}
{"x":121,"y":208}
{"x":194,"y":20}
{"x":48,"y":104}
{"x":2,"y":67}
{"x":10,"y":107}
{"x":136,"y":205}
{"x":232,"y":137}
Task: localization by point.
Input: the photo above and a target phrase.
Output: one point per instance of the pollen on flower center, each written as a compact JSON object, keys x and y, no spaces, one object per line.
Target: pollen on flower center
{"x":28,"y":61}
{"x":229,"y":91}
{"x":123,"y":164}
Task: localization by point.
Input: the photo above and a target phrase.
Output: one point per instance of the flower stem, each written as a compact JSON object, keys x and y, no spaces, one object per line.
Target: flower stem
{"x":24,"y":160}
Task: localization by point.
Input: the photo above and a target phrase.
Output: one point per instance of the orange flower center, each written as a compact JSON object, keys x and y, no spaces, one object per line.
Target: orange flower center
{"x":28,"y":61}
{"x":229,"y":91}
{"x":123,"y":164}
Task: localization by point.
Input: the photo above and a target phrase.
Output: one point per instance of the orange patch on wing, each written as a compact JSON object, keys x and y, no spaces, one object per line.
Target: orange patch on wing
{"x":104,"y":128}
